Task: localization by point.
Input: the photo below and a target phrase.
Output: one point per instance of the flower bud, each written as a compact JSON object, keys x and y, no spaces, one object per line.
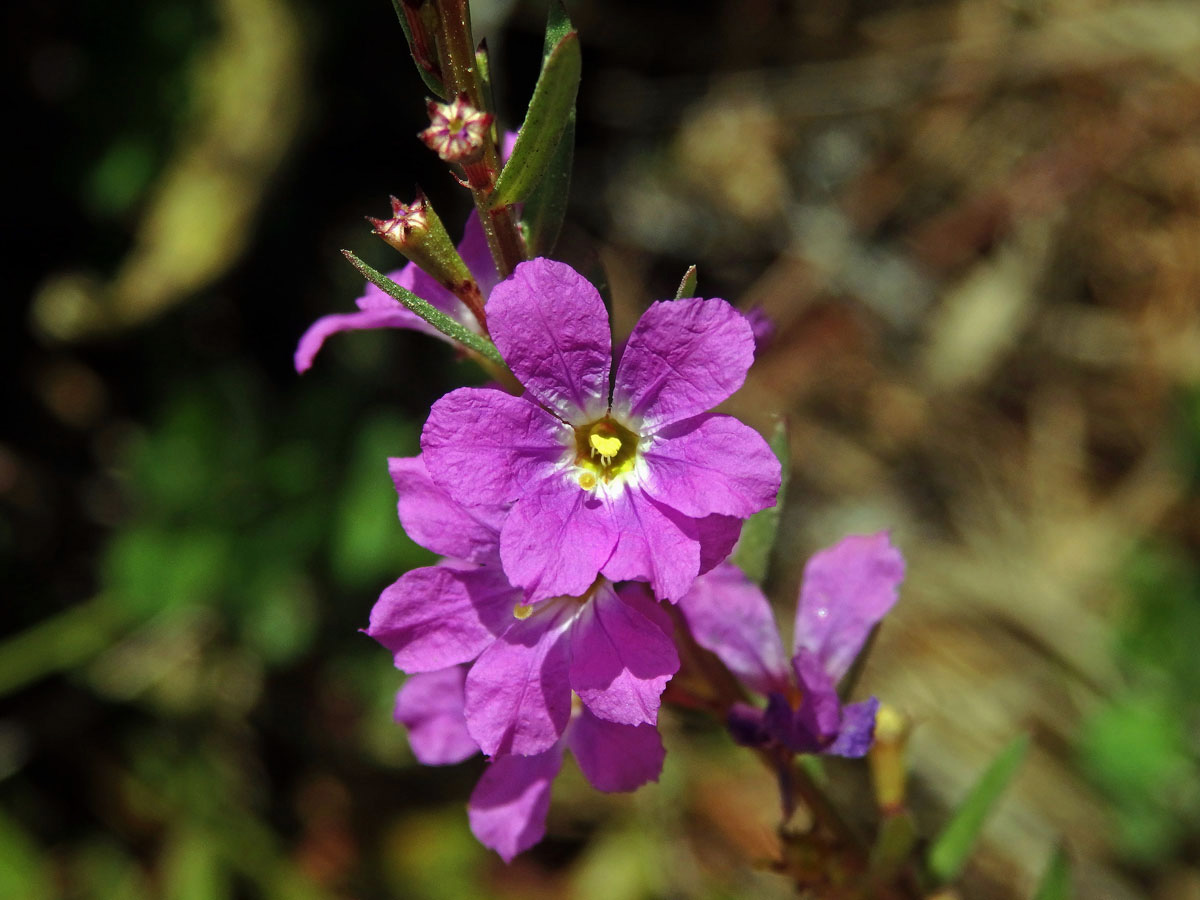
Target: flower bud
{"x":459,"y":133}
{"x":416,"y":231}
{"x":886,"y":758}
{"x":421,"y":19}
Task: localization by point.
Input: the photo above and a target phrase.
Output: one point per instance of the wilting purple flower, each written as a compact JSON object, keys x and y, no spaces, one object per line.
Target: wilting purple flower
{"x":509,"y":804}
{"x":847,"y":589}
{"x":640,"y":485}
{"x":612,"y":648}
{"x":379,"y":310}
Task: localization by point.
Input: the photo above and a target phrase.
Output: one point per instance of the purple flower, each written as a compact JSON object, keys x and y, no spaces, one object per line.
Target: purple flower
{"x":612,"y":648}
{"x":378,"y":310}
{"x":847,"y":589}
{"x":640,"y":485}
{"x":508,"y":807}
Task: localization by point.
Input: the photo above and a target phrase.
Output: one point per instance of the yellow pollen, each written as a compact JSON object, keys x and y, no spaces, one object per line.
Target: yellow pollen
{"x":521,"y":611}
{"x":587,"y":481}
{"x":607,"y":447}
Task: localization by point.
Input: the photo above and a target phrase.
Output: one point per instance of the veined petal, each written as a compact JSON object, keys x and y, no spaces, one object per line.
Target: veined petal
{"x":556,"y":538}
{"x":729,"y":615}
{"x":518,"y":698}
{"x":615,"y":757}
{"x":483,"y":446}
{"x":430,"y":706}
{"x":683,"y":358}
{"x":620,"y":659}
{"x":441,"y":616}
{"x":712,"y":464}
{"x":508,"y":807}
{"x":438,"y":523}
{"x":857,"y":731}
{"x":551,"y":327}
{"x":845,"y":591}
{"x":655,"y":544}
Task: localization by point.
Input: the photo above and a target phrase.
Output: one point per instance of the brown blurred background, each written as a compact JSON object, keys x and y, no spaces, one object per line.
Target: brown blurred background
{"x":976,"y":226}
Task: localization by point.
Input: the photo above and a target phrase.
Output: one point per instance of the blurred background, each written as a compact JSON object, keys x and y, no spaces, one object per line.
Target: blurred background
{"x":976,"y":225}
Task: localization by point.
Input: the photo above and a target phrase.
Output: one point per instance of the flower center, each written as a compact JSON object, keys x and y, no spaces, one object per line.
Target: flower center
{"x":604,"y":449}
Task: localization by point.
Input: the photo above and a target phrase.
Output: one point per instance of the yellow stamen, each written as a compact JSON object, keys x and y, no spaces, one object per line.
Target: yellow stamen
{"x":607,"y":446}
{"x":587,"y":480}
{"x":521,"y":611}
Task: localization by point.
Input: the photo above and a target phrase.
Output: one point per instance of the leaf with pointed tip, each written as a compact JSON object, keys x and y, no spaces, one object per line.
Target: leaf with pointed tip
{"x":431,"y":314}
{"x":546,"y":207}
{"x":550,"y":109}
{"x":431,"y":80}
{"x":753,"y":551}
{"x":950,"y":850}
{"x":1056,"y":880}
{"x":687,"y":287}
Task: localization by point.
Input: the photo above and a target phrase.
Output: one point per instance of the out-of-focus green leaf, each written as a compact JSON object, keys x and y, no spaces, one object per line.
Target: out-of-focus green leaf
{"x":148,"y":569}
{"x":432,"y":81}
{"x":949,"y":852}
{"x":369,"y":543}
{"x":107,"y":872}
{"x":753,"y":551}
{"x":192,"y":869}
{"x":550,"y":109}
{"x":280,"y":616}
{"x":23,"y":871}
{"x":1056,"y":881}
{"x":1136,"y":751}
{"x":896,"y":838}
{"x":687,"y":286}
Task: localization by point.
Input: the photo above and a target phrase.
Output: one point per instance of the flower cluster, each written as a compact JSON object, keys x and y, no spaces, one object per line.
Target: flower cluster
{"x":565,"y":517}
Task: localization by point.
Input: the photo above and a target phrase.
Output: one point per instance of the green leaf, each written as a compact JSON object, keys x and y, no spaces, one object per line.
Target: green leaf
{"x":431,"y":80}
{"x":687,"y":287}
{"x":753,"y":551}
{"x":1056,"y":881}
{"x":949,"y":851}
{"x":894,"y":842}
{"x":435,"y":317}
{"x":550,"y":109}
{"x":546,"y":207}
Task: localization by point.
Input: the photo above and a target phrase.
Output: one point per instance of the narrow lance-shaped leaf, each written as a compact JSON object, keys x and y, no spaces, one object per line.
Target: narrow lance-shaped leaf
{"x":546,"y":208}
{"x":753,"y":551}
{"x":1056,"y":880}
{"x":428,"y":312}
{"x":687,"y":287}
{"x":550,"y":109}
{"x":421,"y":44}
{"x":949,"y":852}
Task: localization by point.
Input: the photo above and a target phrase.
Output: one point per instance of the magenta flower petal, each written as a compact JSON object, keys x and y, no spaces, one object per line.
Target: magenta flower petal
{"x":314,"y":338}
{"x":846,"y":590}
{"x":718,"y":536}
{"x":551,"y":327}
{"x":655,"y":544}
{"x":857,"y":730}
{"x":712,"y":464}
{"x":508,"y":807}
{"x":747,"y":724}
{"x":430,"y":706}
{"x":556,"y":539}
{"x":483,"y":446}
{"x":820,"y":712}
{"x":518,"y":699}
{"x":620,"y":660}
{"x":441,"y":615}
{"x":729,"y":615}
{"x":439,"y":524}
{"x":477,"y":255}
{"x":615,"y":757}
{"x":683,"y":358}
